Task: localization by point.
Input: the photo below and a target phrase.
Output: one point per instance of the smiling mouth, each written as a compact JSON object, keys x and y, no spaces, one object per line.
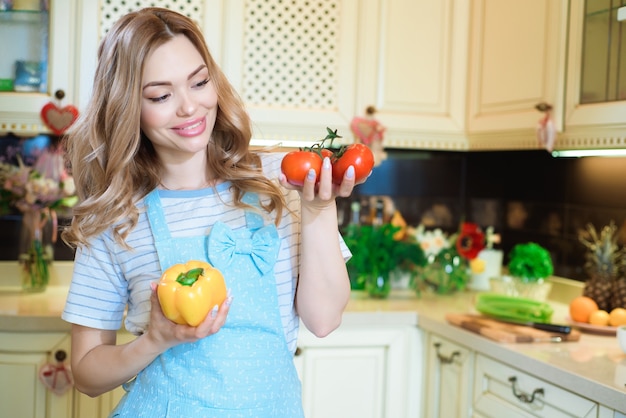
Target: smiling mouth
{"x":192,"y":126}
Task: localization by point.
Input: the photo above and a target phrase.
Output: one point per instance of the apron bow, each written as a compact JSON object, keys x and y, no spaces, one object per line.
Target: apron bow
{"x":262,"y":247}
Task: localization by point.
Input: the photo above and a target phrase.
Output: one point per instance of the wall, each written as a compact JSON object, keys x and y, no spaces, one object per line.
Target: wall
{"x":525,"y":195}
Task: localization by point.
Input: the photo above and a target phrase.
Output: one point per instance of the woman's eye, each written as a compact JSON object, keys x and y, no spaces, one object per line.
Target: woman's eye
{"x":203,"y":83}
{"x":159,"y":99}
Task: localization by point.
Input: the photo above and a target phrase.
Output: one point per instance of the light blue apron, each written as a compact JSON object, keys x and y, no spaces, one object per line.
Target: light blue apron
{"x":244,"y":370}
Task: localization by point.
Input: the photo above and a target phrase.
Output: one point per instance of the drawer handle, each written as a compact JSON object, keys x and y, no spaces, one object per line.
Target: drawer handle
{"x":523,"y":396}
{"x":443,"y":359}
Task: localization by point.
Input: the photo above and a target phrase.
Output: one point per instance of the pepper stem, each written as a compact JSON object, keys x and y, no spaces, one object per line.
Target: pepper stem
{"x":188,"y":278}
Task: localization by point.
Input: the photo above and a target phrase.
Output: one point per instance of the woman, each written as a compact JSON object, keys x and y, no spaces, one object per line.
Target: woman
{"x":164,"y":173}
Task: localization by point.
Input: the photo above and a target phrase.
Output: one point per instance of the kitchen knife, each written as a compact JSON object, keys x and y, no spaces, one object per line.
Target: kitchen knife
{"x":562,"y":329}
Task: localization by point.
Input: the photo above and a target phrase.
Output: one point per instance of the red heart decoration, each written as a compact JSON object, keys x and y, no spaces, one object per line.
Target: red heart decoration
{"x":58,"y":120}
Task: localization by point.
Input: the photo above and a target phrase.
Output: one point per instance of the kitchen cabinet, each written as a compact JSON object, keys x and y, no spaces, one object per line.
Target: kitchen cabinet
{"x":449,"y":378}
{"x":295,"y":65}
{"x":462,"y":75}
{"x":21,"y":392}
{"x":451,"y":74}
{"x":502,"y":390}
{"x":462,"y":381}
{"x":27,"y":35}
{"x":361,"y":371}
{"x":592,"y":122}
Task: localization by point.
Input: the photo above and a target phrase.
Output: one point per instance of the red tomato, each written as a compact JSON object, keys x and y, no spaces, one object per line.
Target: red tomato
{"x":296,"y":166}
{"x":327,"y":153}
{"x":357,"y":155}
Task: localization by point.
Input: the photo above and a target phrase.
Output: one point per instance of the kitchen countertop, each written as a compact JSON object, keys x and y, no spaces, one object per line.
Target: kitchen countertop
{"x":593,"y":367}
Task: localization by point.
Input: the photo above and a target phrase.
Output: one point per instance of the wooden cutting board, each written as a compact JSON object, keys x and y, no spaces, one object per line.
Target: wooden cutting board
{"x":505,"y":332}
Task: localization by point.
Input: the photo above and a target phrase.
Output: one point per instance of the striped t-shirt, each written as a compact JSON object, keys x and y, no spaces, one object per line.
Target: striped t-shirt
{"x":110,"y":281}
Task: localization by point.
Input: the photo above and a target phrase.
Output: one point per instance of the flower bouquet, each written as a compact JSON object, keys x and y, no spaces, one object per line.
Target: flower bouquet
{"x":449,"y":258}
{"x":37,"y":192}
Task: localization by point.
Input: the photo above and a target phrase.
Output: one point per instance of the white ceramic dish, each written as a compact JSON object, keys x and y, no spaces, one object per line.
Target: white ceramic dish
{"x":621,"y":339}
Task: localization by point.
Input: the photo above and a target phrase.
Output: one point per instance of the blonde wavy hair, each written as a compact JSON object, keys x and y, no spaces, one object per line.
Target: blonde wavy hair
{"x":114,"y":164}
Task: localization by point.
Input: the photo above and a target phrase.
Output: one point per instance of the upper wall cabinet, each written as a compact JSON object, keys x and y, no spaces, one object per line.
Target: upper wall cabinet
{"x":595,"y":107}
{"x":446,"y":74}
{"x":454,"y":74}
{"x":449,"y":74}
{"x":295,"y":63}
{"x":37,"y":60}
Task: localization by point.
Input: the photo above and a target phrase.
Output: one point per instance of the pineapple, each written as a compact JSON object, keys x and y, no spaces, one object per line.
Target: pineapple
{"x":618,"y":299}
{"x":604,"y":261}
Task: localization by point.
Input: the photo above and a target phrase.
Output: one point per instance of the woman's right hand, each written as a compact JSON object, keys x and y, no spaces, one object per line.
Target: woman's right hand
{"x":165,"y":333}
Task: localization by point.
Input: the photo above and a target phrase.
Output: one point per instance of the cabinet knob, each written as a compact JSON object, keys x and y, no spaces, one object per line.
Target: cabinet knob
{"x":445,"y":359}
{"x":524,"y":396}
{"x":60,"y":356}
{"x":298,"y":351}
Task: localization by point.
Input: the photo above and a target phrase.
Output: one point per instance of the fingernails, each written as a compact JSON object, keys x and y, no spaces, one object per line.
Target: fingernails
{"x":350,"y":172}
{"x":153,"y":286}
{"x":214,"y":311}
{"x":311,"y":174}
{"x":326,"y":163}
{"x":228,"y":301}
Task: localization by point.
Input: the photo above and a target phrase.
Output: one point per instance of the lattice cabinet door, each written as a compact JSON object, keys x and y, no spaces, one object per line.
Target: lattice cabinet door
{"x":294,"y":62}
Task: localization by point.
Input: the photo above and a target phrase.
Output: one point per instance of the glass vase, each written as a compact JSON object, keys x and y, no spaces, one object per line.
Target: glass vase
{"x":35,"y":250}
{"x":378,"y":286}
{"x":444,"y":274}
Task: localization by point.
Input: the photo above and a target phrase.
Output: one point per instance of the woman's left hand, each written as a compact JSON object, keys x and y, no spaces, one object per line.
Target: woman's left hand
{"x":325,"y":191}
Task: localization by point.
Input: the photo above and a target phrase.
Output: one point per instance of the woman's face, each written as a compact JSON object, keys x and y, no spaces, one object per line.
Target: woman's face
{"x":179,"y":101}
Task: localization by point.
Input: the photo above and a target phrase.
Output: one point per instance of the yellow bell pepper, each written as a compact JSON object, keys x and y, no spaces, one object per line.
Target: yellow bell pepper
{"x":188,"y":292}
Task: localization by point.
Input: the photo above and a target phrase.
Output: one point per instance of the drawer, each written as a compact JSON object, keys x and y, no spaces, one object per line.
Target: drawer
{"x":503,"y":391}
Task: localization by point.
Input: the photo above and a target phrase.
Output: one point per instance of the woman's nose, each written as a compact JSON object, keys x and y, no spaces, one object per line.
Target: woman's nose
{"x":187,"y":105}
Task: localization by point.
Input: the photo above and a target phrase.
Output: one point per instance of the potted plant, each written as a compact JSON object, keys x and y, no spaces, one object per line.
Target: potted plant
{"x":530,"y":266}
{"x":376,"y":252}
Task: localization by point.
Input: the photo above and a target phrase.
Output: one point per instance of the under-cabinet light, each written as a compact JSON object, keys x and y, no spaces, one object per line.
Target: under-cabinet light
{"x":590,"y":153}
{"x":278,"y":143}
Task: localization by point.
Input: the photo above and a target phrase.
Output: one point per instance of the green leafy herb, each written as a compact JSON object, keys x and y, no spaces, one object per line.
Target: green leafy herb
{"x":376,"y":252}
{"x":530,"y":262}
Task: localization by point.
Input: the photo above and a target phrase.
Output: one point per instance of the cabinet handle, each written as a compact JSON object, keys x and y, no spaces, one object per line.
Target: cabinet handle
{"x":523,"y":396}
{"x":298,"y":352}
{"x":443,"y":359}
{"x":60,"y":356}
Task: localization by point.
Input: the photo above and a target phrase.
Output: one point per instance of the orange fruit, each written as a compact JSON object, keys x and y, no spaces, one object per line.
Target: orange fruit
{"x":581,"y":307}
{"x":599,"y":317}
{"x":617,"y":317}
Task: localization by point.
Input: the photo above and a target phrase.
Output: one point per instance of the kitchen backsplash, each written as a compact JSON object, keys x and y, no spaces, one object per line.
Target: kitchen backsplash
{"x":525,"y":195}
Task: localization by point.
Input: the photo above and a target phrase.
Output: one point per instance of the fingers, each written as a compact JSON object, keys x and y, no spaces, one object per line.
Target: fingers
{"x":323,"y":189}
{"x":170,"y":333}
{"x":216,"y":318}
{"x":347,"y":184}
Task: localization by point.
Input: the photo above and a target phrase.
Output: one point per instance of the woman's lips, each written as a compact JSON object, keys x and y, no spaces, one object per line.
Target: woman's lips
{"x":191,"y":129}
